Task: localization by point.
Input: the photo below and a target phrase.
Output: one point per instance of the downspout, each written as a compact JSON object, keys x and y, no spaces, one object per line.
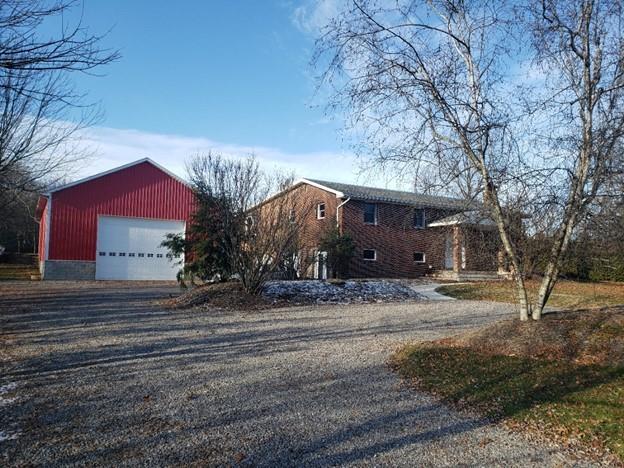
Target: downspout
{"x":338,"y":211}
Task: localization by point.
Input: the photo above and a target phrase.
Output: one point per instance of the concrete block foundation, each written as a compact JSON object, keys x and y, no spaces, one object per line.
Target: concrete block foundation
{"x":73,"y":270}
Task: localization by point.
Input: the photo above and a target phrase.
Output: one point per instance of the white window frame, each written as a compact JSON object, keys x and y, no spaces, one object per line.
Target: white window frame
{"x":376,"y":214}
{"x":424,"y":216}
{"x":318,"y":211}
{"x":424,"y":257}
{"x":374,"y":259}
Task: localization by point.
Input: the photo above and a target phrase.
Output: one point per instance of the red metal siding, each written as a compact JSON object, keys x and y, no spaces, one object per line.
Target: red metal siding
{"x":141,"y":191}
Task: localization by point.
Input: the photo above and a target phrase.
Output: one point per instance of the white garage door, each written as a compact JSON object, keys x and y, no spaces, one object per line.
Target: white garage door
{"x":129,"y":249}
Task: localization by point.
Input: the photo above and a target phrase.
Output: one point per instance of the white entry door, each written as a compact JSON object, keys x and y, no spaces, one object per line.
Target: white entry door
{"x":449,"y":261}
{"x":129,"y":249}
{"x":320,"y":266}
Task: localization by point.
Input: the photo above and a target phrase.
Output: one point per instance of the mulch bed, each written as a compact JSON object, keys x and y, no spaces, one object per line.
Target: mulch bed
{"x":230,"y":295}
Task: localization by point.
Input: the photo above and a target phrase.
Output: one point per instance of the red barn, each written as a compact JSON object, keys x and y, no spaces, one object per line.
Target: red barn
{"x":109,"y":226}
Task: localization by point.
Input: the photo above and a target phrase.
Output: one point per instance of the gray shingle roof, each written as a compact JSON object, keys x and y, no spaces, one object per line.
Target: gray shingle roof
{"x":360,"y":192}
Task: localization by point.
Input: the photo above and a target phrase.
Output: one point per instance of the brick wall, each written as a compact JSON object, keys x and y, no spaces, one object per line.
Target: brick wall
{"x":395,"y":240}
{"x":314,"y":228}
{"x":304,"y":200}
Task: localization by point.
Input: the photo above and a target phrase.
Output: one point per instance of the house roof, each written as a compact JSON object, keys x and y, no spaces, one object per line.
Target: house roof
{"x":361,"y":192}
{"x":116,"y":169}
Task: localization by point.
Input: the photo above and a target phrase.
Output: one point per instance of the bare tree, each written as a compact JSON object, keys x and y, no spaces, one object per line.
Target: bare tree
{"x":580,"y":47}
{"x":424,"y":82}
{"x":435,"y":83}
{"x":239,"y":230}
{"x":40,"y":110}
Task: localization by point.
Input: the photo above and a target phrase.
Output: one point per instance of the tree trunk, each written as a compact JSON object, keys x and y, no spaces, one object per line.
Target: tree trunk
{"x":491,"y":198}
{"x":558,"y":250}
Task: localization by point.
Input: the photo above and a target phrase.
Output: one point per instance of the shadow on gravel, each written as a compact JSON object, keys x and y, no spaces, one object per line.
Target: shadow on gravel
{"x":114,"y":379}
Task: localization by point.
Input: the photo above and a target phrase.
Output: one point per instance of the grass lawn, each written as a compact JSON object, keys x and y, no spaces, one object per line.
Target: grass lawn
{"x":567,"y":294}
{"x":563,"y":377}
{"x":17,"y":272}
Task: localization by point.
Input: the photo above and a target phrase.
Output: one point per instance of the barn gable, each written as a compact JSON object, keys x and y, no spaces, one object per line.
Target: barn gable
{"x":142,"y":190}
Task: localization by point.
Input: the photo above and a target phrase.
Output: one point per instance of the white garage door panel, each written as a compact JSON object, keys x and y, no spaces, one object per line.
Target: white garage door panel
{"x":129,"y":249}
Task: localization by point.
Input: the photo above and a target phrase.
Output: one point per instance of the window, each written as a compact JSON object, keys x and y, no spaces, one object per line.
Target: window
{"x":292,"y":216}
{"x":370,"y":213}
{"x":419,"y":257}
{"x":122,"y":254}
{"x":102,"y":254}
{"x":141,"y":255}
{"x":150,"y":255}
{"x":320,"y":211}
{"x":159,"y":256}
{"x":130,"y":255}
{"x":419,"y":218}
{"x":370,"y":254}
{"x":111,"y":254}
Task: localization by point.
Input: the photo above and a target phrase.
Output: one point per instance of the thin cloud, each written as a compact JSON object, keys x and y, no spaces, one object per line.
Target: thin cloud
{"x":314,"y":15}
{"x":114,"y":147}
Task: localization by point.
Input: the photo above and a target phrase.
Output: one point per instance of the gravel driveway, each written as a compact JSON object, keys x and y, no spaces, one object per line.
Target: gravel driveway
{"x":104,"y":376}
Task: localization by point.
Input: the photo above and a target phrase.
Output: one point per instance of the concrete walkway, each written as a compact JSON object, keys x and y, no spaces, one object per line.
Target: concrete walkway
{"x":428,"y":291}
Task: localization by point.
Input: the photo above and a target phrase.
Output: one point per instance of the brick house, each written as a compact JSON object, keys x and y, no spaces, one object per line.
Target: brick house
{"x":397,"y":234}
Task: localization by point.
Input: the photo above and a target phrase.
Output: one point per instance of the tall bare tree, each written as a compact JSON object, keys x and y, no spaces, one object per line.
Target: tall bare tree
{"x":435,"y":83}
{"x":424,"y":81}
{"x":40,"y":109}
{"x":580,"y":47}
{"x":239,"y":230}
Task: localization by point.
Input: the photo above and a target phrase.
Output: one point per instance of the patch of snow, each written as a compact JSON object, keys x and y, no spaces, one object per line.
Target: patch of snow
{"x":8,"y":436}
{"x":348,"y":291}
{"x":7,"y":388}
{"x":5,"y":401}
{"x":4,"y":389}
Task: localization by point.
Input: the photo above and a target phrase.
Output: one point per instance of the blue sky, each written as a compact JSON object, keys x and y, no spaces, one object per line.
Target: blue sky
{"x":235,"y":71}
{"x":231,"y":76}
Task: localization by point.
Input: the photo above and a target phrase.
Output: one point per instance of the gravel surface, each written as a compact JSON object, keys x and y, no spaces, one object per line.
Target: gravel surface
{"x":100,"y":375}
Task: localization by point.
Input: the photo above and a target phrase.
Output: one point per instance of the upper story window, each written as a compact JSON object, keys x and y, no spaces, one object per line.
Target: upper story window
{"x":320,"y":211}
{"x":292,"y":216}
{"x":419,"y":218}
{"x":370,"y":213}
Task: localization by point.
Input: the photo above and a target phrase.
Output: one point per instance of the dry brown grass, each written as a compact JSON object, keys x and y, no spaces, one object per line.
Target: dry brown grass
{"x":17,"y":272}
{"x":582,"y":337}
{"x":567,"y":294}
{"x":560,"y":378}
